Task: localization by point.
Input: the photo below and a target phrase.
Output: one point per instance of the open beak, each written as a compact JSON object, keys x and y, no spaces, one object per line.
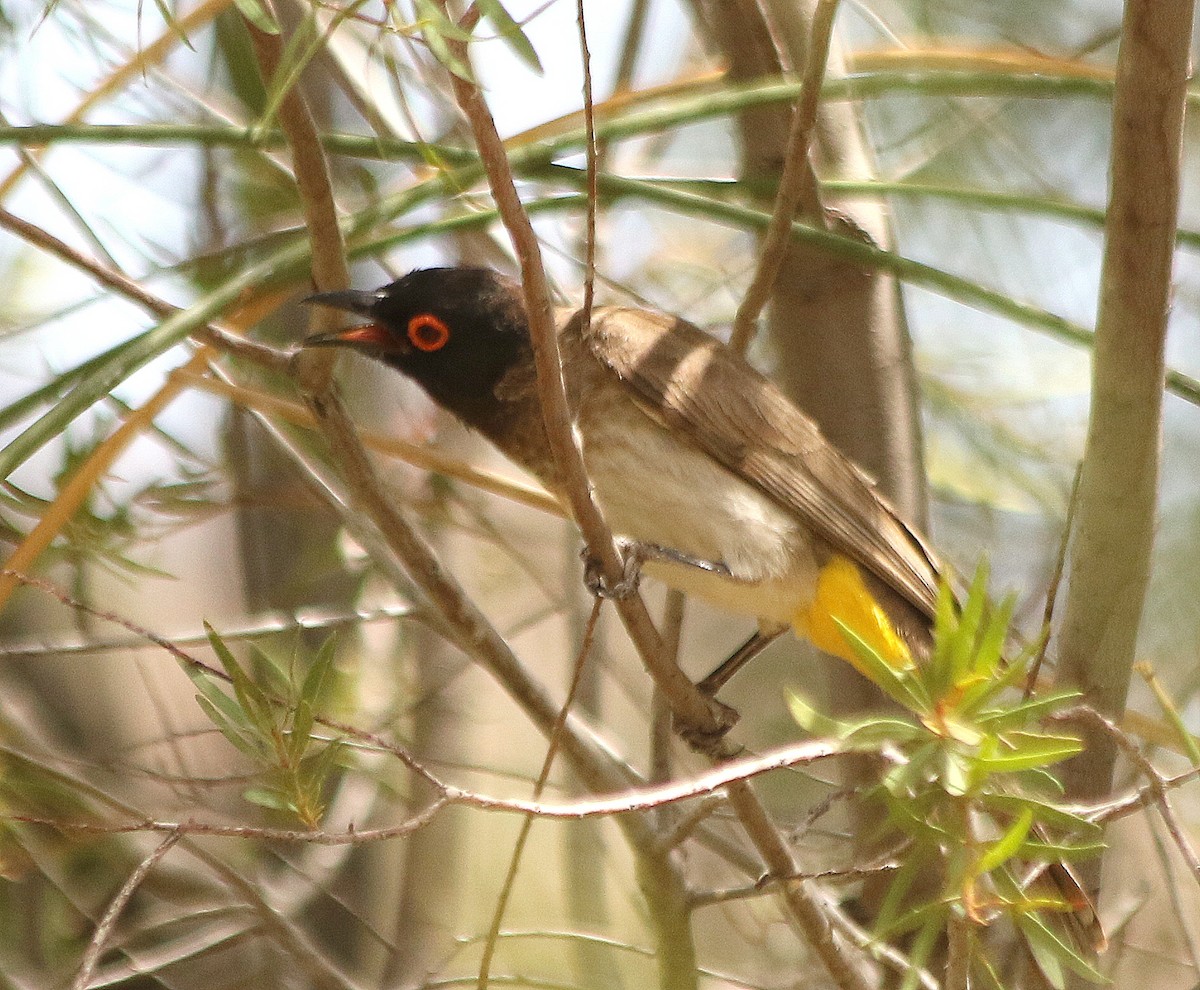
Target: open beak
{"x":368,"y":337}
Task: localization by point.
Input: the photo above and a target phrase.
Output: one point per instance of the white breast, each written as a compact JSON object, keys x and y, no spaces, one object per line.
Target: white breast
{"x":659,"y":490}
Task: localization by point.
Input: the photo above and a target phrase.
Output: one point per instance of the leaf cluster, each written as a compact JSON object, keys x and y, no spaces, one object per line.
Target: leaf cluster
{"x":969,"y":794}
{"x":273,"y":725}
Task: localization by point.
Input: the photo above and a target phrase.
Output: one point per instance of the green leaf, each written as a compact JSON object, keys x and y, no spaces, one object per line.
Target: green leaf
{"x":303,"y":44}
{"x":922,"y":949}
{"x":1052,"y":953}
{"x":890,"y":920}
{"x":962,"y":644}
{"x":258,"y":14}
{"x":901,"y":687}
{"x":301,"y":730}
{"x":1022,"y":713}
{"x":511,"y":32}
{"x":255,"y":704}
{"x":324,"y":762}
{"x":1004,"y":848}
{"x":436,"y":27}
{"x":911,"y":778}
{"x":269,"y":797}
{"x":203,"y":683}
{"x":169,"y":19}
{"x":812,"y":720}
{"x":957,"y":776}
{"x":945,"y":624}
{"x":1023,"y":751}
{"x":1038,"y":851}
{"x":876,"y":731}
{"x":268,"y":670}
{"x":247,"y":744}
{"x":1168,"y":708}
{"x":990,"y":650}
{"x":1043,"y":811}
{"x":1039,"y":781}
{"x":318,"y":674}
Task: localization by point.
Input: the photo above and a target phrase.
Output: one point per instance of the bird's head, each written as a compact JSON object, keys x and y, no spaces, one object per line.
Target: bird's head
{"x":455,"y":331}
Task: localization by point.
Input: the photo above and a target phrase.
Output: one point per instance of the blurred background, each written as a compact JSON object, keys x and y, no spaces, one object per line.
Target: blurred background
{"x":979,"y":149}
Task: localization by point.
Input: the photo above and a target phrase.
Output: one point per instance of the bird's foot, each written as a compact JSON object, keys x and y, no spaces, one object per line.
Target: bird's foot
{"x":669,"y":555}
{"x":634,"y":553}
{"x":631,"y":573}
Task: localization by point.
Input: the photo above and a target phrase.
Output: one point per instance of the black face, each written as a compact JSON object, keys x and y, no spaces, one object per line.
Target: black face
{"x":455,"y":331}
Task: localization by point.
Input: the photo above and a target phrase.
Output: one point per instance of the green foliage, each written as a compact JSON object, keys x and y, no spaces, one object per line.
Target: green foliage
{"x":441,"y":32}
{"x":272,"y":724}
{"x":258,"y":14}
{"x":969,"y":792}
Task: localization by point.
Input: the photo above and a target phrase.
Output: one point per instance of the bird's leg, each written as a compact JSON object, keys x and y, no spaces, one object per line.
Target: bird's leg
{"x":635,"y":553}
{"x":631,"y":576}
{"x":738,"y":659}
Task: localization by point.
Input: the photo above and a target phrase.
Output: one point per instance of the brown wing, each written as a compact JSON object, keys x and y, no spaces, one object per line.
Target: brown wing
{"x":738,"y":416}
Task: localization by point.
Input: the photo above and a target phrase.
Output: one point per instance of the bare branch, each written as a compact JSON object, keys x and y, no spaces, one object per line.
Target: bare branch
{"x":222,"y":339}
{"x":798,"y":189}
{"x":701,"y":717}
{"x":103,"y":930}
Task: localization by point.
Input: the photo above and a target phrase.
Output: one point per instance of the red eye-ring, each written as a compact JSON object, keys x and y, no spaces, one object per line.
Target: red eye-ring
{"x":427,"y":332}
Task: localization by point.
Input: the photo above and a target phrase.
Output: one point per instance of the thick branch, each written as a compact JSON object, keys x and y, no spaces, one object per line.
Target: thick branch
{"x":1110,"y":558}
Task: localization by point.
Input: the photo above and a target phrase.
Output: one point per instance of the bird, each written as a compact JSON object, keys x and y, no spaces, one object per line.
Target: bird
{"x":729,"y":489}
{"x":732,"y":492}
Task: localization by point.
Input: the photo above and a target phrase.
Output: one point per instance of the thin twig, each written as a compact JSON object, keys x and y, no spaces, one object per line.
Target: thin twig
{"x":225,"y":340}
{"x":510,"y":878}
{"x":797,"y":185}
{"x":811,"y":914}
{"x":104,"y":930}
{"x":1056,"y":576}
{"x":701,"y":717}
{"x":1158,"y":785}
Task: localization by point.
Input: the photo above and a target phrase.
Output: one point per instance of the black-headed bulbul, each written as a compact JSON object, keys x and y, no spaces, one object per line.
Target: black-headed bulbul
{"x":687,"y":446}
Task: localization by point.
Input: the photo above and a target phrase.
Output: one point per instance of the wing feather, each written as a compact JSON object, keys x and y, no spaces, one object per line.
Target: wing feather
{"x":700,"y":387}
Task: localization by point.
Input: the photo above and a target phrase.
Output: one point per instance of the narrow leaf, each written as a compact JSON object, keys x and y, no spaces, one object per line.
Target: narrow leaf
{"x":1026,"y":711}
{"x":1023,"y":751}
{"x":991,"y":644}
{"x":435,"y":29}
{"x":900,"y":686}
{"x":1043,"y":811}
{"x":318,"y":673}
{"x":258,"y":14}
{"x":268,"y":797}
{"x":204,"y":684}
{"x":1052,"y":953}
{"x":1004,"y":848}
{"x":511,"y":32}
{"x":241,"y":741}
{"x":169,"y":19}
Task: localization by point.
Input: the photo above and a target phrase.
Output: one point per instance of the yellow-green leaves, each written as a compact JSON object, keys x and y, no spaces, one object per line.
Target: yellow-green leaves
{"x":271,"y":723}
{"x":970,"y":790}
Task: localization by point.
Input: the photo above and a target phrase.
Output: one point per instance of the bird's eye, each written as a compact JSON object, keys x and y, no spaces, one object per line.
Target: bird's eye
{"x":427,"y":333}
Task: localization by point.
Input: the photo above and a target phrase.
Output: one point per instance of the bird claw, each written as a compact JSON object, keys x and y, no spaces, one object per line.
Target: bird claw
{"x":627,"y":586}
